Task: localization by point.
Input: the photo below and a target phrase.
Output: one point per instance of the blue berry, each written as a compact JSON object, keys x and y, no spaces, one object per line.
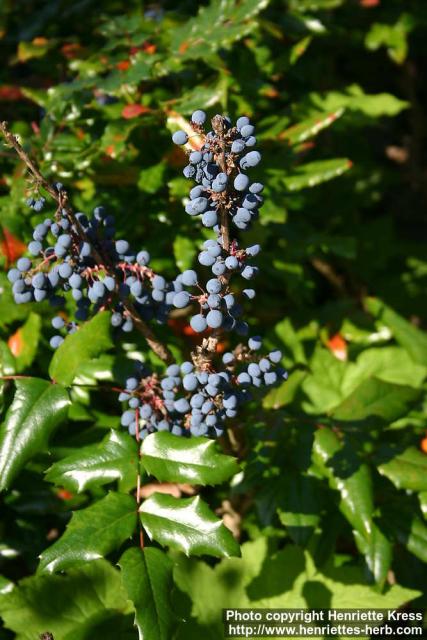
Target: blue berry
{"x":198,"y":117}
{"x":180,"y":137}
{"x":189,"y":278}
{"x":56,"y":341}
{"x":181,"y":299}
{"x":241,"y":182}
{"x":214,"y":319}
{"x":198,"y":323}
{"x":23,"y":264}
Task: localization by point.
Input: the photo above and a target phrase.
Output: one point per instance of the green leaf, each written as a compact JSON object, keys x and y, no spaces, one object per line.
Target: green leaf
{"x":301,"y":507}
{"x":286,"y":392}
{"x":147,"y":578}
{"x":92,"y":533}
{"x":28,"y":336}
{"x":184,"y":251}
{"x":215,"y":26}
{"x":115,"y":458}
{"x":64,"y":604}
{"x":37,"y":409}
{"x":346,"y":474}
{"x":393,"y":36}
{"x":408,"y":529}
{"x":311,"y":127}
{"x":391,"y":364}
{"x":152,"y":179}
{"x":375,"y":398}
{"x":324,"y":386}
{"x":406,"y":334}
{"x":423,"y":502}
{"x":353,"y":98}
{"x":378,"y":552}
{"x":92,"y":339}
{"x":269,"y":579}
{"x":407,"y":470}
{"x":314,"y":173}
{"x":170,"y":458}
{"x":187,"y":525}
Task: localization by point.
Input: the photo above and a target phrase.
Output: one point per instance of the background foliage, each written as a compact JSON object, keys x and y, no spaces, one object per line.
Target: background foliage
{"x":331,"y":500}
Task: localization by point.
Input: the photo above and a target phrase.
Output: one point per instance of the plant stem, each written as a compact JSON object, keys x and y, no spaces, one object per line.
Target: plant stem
{"x":61,"y":198}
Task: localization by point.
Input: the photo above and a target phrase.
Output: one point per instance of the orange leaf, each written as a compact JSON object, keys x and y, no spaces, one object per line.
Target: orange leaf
{"x":338,"y":346}
{"x":123,"y":65}
{"x":183,"y":47}
{"x":149,"y":48}
{"x":11,"y":247}
{"x":70,"y":50}
{"x":63,"y":494}
{"x":134,"y":110}
{"x":16,"y":343}
{"x":40,"y":41}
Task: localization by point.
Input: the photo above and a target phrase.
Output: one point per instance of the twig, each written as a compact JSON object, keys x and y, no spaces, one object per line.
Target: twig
{"x":61,"y":198}
{"x":330,"y":274}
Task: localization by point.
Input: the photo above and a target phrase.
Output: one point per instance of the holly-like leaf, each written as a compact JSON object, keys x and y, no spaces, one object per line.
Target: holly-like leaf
{"x":408,"y":529}
{"x":37,"y":409}
{"x":187,"y":525}
{"x":346,"y":474}
{"x":407,"y":470}
{"x":197,"y":461}
{"x":215,"y":26}
{"x":311,"y":127}
{"x":301,"y":508}
{"x":147,"y":578}
{"x":115,"y":458}
{"x":314,"y":173}
{"x":92,"y":339}
{"x":92,"y":533}
{"x":378,"y":399}
{"x":65,"y":604}
{"x":406,"y":334}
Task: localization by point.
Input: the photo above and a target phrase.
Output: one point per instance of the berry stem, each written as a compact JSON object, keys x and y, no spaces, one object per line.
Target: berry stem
{"x":61,"y":198}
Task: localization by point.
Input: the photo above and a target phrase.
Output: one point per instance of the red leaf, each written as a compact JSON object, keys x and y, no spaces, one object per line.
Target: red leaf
{"x":123,"y":65}
{"x":134,"y":110}
{"x":11,"y":247}
{"x":63,"y":494}
{"x":10,"y":93}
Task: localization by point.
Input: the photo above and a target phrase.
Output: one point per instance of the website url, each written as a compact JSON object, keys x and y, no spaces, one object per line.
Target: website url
{"x":302,"y":631}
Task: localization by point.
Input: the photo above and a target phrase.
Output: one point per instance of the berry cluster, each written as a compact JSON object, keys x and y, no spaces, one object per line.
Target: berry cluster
{"x":188,"y":400}
{"x":218,"y":170}
{"x":79,"y":259}
{"x":77,"y":256}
